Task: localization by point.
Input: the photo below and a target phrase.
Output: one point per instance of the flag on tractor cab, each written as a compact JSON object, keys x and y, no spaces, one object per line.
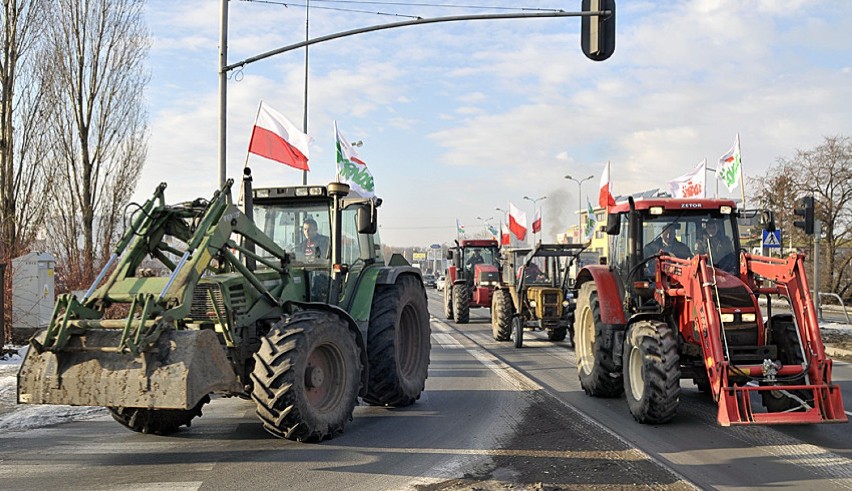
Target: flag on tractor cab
{"x":605,"y":197}
{"x":505,"y":239}
{"x":276,"y":138}
{"x":730,"y":168}
{"x":536,"y":223}
{"x":591,"y":221}
{"x":459,"y":227}
{"x":691,"y":184}
{"x":491,"y":229}
{"x":351,"y":169}
{"x":517,"y":222}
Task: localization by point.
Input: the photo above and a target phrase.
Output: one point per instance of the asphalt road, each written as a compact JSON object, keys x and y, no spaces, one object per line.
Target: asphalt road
{"x":492,"y":417}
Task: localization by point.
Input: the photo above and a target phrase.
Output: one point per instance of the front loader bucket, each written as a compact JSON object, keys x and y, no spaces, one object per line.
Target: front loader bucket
{"x":182,"y":368}
{"x":735,"y":406}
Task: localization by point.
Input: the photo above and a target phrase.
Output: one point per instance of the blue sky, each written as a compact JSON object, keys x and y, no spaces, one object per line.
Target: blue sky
{"x":460,"y":118}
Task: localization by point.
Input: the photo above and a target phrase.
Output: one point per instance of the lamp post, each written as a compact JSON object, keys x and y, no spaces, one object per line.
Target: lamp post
{"x":534,"y":201}
{"x":485,"y":221}
{"x":579,"y":203}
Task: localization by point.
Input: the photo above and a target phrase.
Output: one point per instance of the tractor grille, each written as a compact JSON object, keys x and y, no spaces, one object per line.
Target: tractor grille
{"x":202,"y":308}
{"x":551,"y":298}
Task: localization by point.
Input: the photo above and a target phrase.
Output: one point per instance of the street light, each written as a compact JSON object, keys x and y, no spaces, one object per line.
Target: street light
{"x":579,"y":203}
{"x":485,"y":221}
{"x":534,"y":201}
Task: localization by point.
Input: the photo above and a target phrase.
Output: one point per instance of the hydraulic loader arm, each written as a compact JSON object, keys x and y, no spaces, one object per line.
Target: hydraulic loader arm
{"x":195,"y":234}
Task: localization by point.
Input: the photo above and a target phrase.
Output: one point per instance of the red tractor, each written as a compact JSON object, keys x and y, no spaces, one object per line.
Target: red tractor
{"x":678,"y":299}
{"x":471,"y":277}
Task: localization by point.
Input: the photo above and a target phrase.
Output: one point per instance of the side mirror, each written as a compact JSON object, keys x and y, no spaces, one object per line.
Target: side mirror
{"x":767,"y":220}
{"x":367,"y":220}
{"x":449,"y":253}
{"x":613,"y":224}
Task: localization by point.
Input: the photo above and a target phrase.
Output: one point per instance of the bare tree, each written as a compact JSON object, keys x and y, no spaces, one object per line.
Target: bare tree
{"x":96,"y":76}
{"x":825,"y":172}
{"x":21,"y":177}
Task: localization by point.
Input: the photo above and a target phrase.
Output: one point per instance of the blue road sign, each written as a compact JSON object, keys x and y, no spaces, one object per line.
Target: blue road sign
{"x":772,"y":240}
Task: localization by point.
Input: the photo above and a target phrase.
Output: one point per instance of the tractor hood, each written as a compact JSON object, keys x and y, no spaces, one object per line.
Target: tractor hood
{"x":732,"y":291}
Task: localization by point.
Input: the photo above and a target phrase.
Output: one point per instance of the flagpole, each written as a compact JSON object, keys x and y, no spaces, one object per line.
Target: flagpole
{"x":242,"y":188}
{"x":305,"y":120}
{"x":336,"y":145}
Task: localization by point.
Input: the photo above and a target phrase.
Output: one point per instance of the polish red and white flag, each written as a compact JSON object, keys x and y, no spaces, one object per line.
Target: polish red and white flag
{"x":276,"y":138}
{"x":517,"y":222}
{"x":536,"y":224}
{"x":605,"y":198}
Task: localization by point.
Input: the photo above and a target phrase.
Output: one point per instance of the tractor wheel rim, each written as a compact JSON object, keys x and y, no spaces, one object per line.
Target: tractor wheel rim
{"x":586,"y":341}
{"x":636,"y":375}
{"x":324,"y":377}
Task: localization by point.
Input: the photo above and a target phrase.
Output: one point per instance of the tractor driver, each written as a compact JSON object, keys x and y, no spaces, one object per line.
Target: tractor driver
{"x":474,"y":259}
{"x":314,"y":246}
{"x":667,"y":243}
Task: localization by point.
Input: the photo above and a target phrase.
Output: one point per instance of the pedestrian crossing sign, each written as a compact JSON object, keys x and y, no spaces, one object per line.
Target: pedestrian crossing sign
{"x":772,"y":239}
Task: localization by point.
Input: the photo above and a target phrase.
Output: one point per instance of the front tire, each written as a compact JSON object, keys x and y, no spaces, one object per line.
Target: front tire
{"x":461,"y":303}
{"x":651,"y":372}
{"x":448,"y":300}
{"x":398,"y":344}
{"x":501,"y":315}
{"x":307,"y":377}
{"x":518,"y":331}
{"x":595,"y":365}
{"x":156,"y":421}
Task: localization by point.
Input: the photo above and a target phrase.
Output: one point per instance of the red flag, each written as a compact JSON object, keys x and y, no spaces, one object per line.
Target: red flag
{"x":276,"y":138}
{"x":517,"y":222}
{"x":605,"y":199}
{"x":536,"y":224}
{"x":505,"y":239}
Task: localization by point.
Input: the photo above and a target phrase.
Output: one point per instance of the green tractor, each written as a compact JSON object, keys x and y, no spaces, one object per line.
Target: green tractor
{"x":288,"y":303}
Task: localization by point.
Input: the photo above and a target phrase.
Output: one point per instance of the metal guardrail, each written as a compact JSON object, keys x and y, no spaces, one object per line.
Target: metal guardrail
{"x":833,"y":295}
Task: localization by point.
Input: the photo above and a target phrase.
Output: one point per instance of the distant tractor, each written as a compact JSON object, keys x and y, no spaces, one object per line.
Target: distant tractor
{"x":471,"y":277}
{"x":535,"y":293}
{"x":679,"y":299}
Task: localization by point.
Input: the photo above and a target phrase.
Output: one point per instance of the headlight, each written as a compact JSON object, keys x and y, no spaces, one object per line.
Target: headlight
{"x":725,"y":210}
{"x":748,"y":317}
{"x":532,"y":303}
{"x":727,"y":317}
{"x":566,"y":303}
{"x":656,"y":210}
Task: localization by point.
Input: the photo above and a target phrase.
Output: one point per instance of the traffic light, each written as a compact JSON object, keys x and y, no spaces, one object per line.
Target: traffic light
{"x":807,"y":212}
{"x":597,"y":33}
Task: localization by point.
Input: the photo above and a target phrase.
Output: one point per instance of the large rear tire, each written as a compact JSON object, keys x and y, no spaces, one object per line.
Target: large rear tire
{"x":398,"y":344}
{"x":156,"y":421}
{"x":651,"y":372}
{"x":501,"y":315}
{"x":784,"y":334}
{"x":461,"y":303}
{"x":595,"y":365}
{"x":307,"y":377}
{"x":448,"y":300}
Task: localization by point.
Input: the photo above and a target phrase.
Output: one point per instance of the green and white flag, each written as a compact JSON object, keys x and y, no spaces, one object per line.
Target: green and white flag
{"x":459,"y":226}
{"x":351,"y":169}
{"x":591,"y":222}
{"x":492,"y":230}
{"x":730,"y":166}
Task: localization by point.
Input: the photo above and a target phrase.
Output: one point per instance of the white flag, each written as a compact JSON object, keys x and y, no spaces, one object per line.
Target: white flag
{"x":691,"y":185}
{"x":730,"y":166}
{"x":351,"y":169}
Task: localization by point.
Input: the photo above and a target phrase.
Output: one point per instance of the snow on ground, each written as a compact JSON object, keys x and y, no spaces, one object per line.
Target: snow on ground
{"x":15,"y":417}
